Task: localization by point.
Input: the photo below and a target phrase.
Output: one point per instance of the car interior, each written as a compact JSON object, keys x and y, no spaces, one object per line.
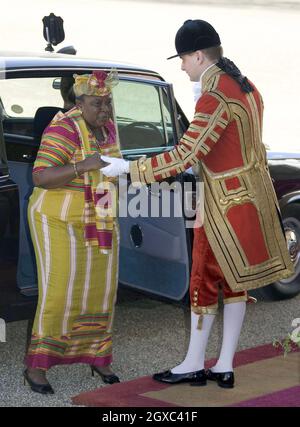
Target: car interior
{"x":23,"y":129}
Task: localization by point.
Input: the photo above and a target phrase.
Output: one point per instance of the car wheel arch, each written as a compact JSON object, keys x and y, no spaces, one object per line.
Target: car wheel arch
{"x":288,"y":288}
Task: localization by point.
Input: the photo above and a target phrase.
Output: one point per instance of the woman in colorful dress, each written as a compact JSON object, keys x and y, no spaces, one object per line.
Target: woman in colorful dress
{"x":75,"y":237}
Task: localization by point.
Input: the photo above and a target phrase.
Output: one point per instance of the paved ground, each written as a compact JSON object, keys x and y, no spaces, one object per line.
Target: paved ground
{"x":149,"y":336}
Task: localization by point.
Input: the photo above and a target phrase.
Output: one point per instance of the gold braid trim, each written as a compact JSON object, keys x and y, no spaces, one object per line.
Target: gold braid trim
{"x":212,"y":310}
{"x":141,"y":172}
{"x":135,"y":174}
{"x":235,"y":299}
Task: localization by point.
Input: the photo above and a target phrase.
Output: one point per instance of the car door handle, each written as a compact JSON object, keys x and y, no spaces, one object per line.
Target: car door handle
{"x":27,"y":156}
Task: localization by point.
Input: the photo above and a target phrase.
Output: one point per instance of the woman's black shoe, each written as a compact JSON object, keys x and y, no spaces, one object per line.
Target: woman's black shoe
{"x":224,"y":379}
{"x":108,"y":379}
{"x":197,"y":377}
{"x":38,"y":388}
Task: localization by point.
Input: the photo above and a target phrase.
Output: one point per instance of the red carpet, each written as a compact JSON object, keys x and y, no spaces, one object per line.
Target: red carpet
{"x":264,"y":377}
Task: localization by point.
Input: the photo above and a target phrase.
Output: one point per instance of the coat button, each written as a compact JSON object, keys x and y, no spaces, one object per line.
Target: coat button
{"x":223,"y":202}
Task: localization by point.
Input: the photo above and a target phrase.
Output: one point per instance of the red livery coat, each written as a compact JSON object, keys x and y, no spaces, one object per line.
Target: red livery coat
{"x":241,"y":218}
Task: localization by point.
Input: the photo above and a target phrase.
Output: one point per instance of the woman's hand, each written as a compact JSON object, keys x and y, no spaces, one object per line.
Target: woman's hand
{"x":91,"y":163}
{"x":57,"y":177}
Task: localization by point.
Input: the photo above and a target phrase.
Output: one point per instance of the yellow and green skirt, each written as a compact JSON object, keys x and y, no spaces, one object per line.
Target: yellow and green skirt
{"x":77,"y":284}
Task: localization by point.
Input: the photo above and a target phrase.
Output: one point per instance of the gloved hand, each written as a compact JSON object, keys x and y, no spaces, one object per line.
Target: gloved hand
{"x":116,"y":166}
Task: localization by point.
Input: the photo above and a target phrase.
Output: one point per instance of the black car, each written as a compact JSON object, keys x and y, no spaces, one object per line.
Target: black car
{"x":155,"y":254}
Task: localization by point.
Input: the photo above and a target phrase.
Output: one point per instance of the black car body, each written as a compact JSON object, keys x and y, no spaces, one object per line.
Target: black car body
{"x":155,"y":254}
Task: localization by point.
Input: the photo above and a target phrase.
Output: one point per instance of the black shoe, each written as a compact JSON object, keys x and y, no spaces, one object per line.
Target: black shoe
{"x":38,"y":388}
{"x":224,"y":379}
{"x":108,"y":379}
{"x":197,"y":377}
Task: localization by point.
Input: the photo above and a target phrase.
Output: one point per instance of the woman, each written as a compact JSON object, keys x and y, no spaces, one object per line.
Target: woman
{"x":75,"y":237}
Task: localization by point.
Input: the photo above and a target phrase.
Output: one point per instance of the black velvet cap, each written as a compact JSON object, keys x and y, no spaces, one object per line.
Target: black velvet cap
{"x":195,"y":35}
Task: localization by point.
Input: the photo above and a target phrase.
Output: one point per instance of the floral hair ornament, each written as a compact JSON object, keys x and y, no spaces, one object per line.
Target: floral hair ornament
{"x":99,"y":83}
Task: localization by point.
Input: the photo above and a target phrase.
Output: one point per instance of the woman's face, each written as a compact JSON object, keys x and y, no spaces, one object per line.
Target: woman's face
{"x":96,"y":110}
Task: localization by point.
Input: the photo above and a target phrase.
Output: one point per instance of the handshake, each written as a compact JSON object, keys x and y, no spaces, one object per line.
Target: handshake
{"x":115,"y":167}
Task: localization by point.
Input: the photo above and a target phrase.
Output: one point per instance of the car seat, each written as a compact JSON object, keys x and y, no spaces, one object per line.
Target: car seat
{"x":42,"y":118}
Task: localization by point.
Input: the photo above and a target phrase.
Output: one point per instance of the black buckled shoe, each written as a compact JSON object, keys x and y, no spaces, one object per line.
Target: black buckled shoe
{"x":38,"y":388}
{"x":196,"y":377}
{"x":224,"y":379}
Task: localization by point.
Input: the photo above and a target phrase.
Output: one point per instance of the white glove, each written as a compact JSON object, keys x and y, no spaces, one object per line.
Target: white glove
{"x":116,"y":167}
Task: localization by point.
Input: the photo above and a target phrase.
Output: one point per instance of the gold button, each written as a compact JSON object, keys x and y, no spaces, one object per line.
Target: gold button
{"x":223,"y":202}
{"x":237,"y":199}
{"x":256,"y":166}
{"x":143,"y":168}
{"x":195,"y":299}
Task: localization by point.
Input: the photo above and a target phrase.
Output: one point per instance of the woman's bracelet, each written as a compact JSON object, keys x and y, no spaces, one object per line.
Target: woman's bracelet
{"x":75,"y":170}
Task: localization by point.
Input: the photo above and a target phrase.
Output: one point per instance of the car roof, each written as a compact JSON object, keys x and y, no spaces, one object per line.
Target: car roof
{"x":28,"y":60}
{"x":281,"y":155}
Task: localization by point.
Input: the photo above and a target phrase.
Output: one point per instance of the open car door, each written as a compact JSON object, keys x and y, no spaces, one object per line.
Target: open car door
{"x":155,"y":246}
{"x":9,"y":233}
{"x":154,"y":255}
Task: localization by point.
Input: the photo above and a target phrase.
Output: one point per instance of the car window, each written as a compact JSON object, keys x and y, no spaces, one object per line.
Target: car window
{"x":22,"y":97}
{"x":143,"y":115}
{"x":28,"y":106}
{"x":142,"y":110}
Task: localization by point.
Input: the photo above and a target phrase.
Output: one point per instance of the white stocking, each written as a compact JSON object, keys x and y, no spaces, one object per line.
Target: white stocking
{"x":194,"y":360}
{"x":234,"y":314}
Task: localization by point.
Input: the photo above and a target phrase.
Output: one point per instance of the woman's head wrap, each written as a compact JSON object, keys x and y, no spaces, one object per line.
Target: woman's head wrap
{"x":99,"y":83}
